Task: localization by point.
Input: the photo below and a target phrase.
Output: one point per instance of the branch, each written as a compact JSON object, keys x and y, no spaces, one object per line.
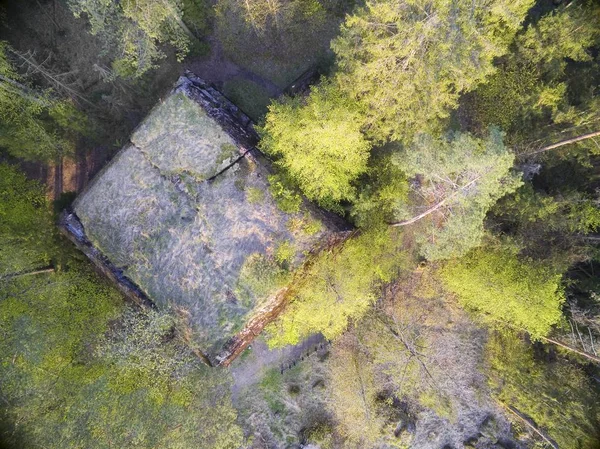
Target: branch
{"x":27,"y":58}
{"x":564,"y":142}
{"x":27,"y":273}
{"x":587,"y":355}
{"x":436,"y":206}
{"x":23,"y":91}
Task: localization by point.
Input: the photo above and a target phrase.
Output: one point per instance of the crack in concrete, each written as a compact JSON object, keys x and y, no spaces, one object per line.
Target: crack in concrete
{"x":171,"y":178}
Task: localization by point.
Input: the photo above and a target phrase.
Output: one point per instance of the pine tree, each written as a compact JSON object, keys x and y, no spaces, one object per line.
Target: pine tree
{"x":407,"y":61}
{"x":34,"y":124}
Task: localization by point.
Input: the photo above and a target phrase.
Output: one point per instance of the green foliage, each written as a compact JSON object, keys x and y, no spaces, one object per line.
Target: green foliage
{"x":466,"y":176}
{"x":34,"y":125}
{"x":507,"y":97}
{"x":533,"y":87}
{"x":197,"y":15}
{"x":248,"y":96}
{"x":305,"y":224}
{"x":285,"y":253}
{"x":276,"y":39}
{"x":408,"y":61}
{"x":26,"y":235}
{"x":506,"y":291}
{"x":130,"y":392}
{"x":135,"y":29}
{"x":74,"y":371}
{"x":567,"y":32}
{"x":548,"y":227}
{"x":354,"y":397}
{"x":339,"y":285}
{"x":260,"y":277}
{"x":383,"y":194}
{"x":557,"y":395}
{"x":321,"y":435}
{"x":279,"y":14}
{"x":285,"y":195}
{"x":255,"y":195}
{"x":318,"y":143}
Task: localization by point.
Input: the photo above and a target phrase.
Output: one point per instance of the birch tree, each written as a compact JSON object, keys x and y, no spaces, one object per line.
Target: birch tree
{"x":456,"y":180}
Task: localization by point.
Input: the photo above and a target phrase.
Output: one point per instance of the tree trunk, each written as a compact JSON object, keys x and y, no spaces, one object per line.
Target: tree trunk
{"x":51,"y":77}
{"x":565,"y":142}
{"x":587,"y":355}
{"x":530,"y":424}
{"x":27,"y":273}
{"x":23,"y":91}
{"x":180,"y":22}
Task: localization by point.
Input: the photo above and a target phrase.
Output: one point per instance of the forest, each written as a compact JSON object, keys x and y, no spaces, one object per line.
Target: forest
{"x":458,"y":141}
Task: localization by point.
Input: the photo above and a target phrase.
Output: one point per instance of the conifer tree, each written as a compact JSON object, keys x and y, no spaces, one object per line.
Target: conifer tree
{"x":318,"y":143}
{"x":407,"y":61}
{"x":34,"y":125}
{"x":135,"y":29}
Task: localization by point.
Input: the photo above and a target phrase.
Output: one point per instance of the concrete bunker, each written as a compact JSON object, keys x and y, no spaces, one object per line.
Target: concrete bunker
{"x":182,"y":219}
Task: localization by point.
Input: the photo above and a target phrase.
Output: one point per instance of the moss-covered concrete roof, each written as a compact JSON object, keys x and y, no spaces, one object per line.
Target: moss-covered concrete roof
{"x":184,"y":210}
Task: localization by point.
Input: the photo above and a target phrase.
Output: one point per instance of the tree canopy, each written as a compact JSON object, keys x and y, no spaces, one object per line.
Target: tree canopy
{"x":318,"y":142}
{"x":408,"y":61}
{"x":34,"y":124}
{"x":459,"y":178}
{"x":135,"y":29}
{"x":522,"y":294}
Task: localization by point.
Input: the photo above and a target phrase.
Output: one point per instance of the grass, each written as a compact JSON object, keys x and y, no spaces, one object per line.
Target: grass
{"x":208,"y":247}
{"x":305,"y":224}
{"x":279,"y":52}
{"x":248,"y":96}
{"x":255,"y":195}
{"x":259,"y":278}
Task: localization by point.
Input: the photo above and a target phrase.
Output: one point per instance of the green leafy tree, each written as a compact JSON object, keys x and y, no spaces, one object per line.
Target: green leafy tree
{"x":353,"y":395}
{"x":546,"y":83}
{"x":383,"y":191}
{"x":506,"y":291}
{"x":34,"y":125}
{"x":26,"y":237}
{"x":552,"y":228}
{"x":460,"y":178}
{"x":75,"y":371}
{"x":407,"y":61}
{"x":557,"y":395}
{"x":338,"y":286}
{"x":317,"y":141}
